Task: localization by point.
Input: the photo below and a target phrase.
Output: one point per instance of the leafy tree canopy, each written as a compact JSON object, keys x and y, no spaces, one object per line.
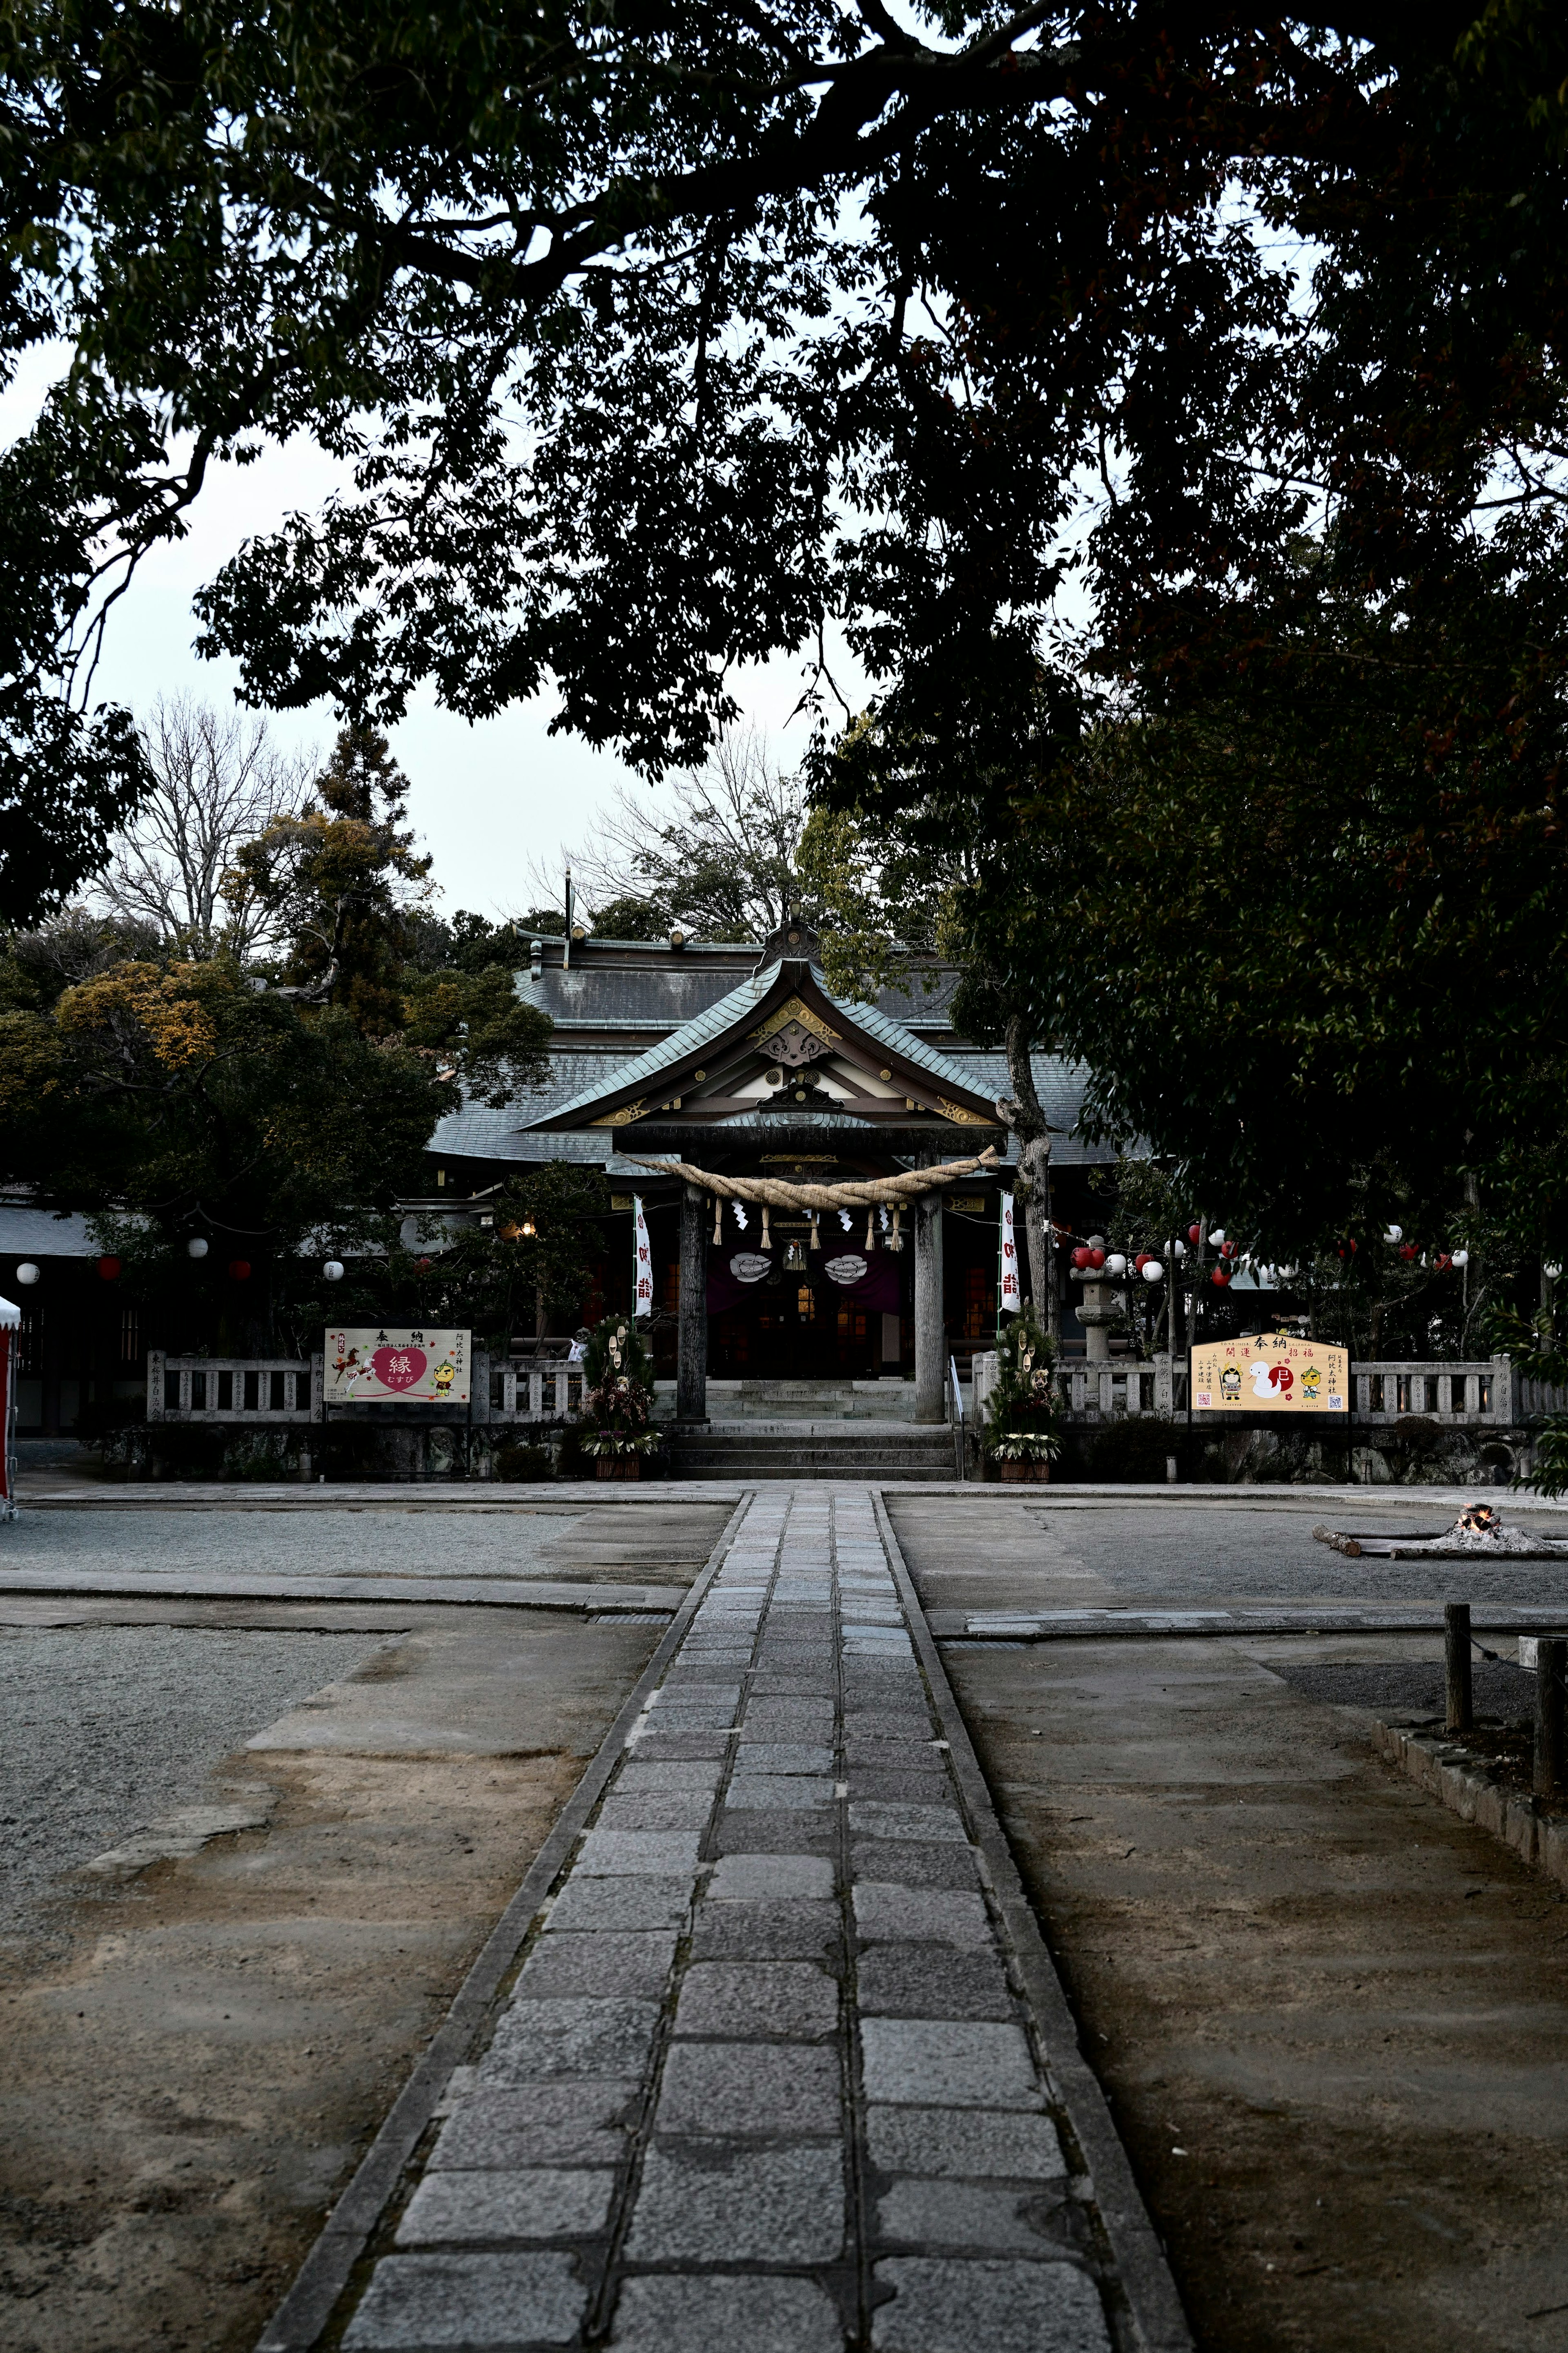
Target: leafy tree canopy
{"x":648,"y":342}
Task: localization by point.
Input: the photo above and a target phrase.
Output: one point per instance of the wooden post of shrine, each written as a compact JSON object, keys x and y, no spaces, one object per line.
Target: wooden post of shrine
{"x":930,"y":1355}
{"x":691,"y":1367}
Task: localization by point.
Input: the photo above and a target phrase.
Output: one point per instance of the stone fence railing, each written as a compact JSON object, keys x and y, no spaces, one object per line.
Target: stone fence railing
{"x":280,"y":1390}
{"x":1486,"y":1392}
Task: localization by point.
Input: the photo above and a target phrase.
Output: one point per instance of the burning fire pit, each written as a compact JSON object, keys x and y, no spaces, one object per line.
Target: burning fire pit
{"x":1479,"y":1531}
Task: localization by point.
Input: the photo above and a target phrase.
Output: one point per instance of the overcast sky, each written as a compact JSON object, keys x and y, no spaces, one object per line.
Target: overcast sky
{"x":487,"y":799}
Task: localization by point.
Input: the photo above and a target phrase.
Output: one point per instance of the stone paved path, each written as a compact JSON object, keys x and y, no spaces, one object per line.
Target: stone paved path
{"x":766,"y":2082}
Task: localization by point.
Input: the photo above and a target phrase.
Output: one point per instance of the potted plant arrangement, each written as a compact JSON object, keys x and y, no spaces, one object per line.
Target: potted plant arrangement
{"x":617,"y":1398}
{"x":1022,"y":1433}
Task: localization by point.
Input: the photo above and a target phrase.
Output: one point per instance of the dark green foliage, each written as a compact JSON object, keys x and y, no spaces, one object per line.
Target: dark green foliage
{"x":1134,"y":1447}
{"x":652,"y":344}
{"x":516,"y":1459}
{"x":500,"y":1279}
{"x":629,"y":918}
{"x":340,"y":879}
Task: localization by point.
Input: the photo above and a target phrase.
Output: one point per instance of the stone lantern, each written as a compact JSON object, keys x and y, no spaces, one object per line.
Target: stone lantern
{"x":1100,"y":1306}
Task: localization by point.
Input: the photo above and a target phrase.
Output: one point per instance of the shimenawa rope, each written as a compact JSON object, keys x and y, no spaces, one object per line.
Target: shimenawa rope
{"x":774,"y":1193}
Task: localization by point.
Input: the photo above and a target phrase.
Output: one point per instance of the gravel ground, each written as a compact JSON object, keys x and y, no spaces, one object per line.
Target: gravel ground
{"x":1197,"y":1552}
{"x":1408,"y":1686}
{"x":369,"y":1543}
{"x":102,"y":1728}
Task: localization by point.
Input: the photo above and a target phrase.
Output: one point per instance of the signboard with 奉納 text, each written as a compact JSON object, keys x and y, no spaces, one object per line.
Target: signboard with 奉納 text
{"x":396,"y":1365}
{"x":1270,"y":1372}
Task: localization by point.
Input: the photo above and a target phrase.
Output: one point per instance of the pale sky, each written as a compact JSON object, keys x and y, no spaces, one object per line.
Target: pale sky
{"x":487,"y":799}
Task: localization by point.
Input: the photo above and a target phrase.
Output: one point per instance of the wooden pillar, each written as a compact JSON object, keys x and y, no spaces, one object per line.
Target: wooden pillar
{"x":931,"y":1365}
{"x":1458,"y":1702}
{"x":1550,"y":1761}
{"x":691,"y":1371}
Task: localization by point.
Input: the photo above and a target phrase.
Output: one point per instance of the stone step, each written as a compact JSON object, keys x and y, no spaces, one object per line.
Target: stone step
{"x":886,"y":1453}
{"x":770,"y":1467}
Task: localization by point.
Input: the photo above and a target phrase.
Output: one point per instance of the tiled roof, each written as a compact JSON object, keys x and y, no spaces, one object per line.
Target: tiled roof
{"x":27,"y":1233}
{"x":728,"y":1013}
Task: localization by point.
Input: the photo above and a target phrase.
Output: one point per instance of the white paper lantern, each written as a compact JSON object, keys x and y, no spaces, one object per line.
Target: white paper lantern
{"x":1394,"y":1234}
{"x":1116,"y":1263}
{"x":1217,"y":1235}
{"x":196,"y":1247}
{"x":27,"y":1271}
{"x":1552,"y":1270}
{"x":1461,"y":1257}
{"x":1153,"y":1271}
{"x":333,"y":1269}
{"x":1181,"y":1249}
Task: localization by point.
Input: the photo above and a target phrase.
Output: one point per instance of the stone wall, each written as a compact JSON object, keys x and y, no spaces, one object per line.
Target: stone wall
{"x":1415,"y":1452}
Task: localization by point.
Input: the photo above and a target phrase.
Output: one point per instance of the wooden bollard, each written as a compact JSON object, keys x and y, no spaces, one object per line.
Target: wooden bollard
{"x":1457,"y":1664}
{"x":1551,"y":1664}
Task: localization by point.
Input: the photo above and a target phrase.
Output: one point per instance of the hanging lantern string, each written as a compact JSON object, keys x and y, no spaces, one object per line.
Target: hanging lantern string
{"x":852,"y":1194}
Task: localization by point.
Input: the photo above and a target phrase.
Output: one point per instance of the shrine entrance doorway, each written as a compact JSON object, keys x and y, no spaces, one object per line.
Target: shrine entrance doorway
{"x":795,"y":1329}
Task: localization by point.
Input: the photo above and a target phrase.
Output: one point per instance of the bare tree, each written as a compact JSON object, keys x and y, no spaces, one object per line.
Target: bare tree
{"x":718,"y":857}
{"x":220,"y":782}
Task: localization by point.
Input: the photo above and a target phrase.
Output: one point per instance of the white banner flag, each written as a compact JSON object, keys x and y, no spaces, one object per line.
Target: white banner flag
{"x":642,"y":1260}
{"x":1010,"y":1298}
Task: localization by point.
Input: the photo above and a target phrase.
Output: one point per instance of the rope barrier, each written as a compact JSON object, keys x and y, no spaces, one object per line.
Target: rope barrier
{"x":856,"y":1193}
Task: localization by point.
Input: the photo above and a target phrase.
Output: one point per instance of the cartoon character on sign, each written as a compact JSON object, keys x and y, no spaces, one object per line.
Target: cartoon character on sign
{"x":1271,"y":1381}
{"x":1311,"y":1382}
{"x":1230,"y":1384}
{"x":446,"y":1373}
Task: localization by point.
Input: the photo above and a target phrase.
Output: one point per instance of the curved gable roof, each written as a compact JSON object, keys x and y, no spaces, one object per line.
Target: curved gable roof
{"x":731,"y":1016}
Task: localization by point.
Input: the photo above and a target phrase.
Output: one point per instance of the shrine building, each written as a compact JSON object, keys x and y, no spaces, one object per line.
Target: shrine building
{"x":743,"y":1063}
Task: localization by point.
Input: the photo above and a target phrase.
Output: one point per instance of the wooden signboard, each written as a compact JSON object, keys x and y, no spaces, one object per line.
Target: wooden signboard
{"x":410,"y":1366}
{"x":1269,"y":1372}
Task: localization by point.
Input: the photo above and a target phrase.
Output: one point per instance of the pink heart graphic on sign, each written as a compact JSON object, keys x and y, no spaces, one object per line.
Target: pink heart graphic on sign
{"x":398,"y":1368}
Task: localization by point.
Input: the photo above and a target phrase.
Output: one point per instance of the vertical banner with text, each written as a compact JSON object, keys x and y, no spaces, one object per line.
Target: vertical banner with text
{"x":642,"y":1261}
{"x":1009,"y":1297}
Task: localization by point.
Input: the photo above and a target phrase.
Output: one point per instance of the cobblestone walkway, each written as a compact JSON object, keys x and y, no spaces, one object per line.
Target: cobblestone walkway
{"x":765,"y":2083}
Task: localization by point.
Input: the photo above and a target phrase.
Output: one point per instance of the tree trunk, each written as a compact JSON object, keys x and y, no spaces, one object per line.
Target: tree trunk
{"x":1026,"y":1119}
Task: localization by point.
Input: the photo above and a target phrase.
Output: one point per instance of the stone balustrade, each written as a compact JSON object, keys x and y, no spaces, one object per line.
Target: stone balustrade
{"x":280,"y":1390}
{"x":1477,"y":1393}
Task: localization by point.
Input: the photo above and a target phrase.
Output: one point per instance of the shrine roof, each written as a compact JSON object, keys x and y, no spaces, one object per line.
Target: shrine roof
{"x":729,"y":1014}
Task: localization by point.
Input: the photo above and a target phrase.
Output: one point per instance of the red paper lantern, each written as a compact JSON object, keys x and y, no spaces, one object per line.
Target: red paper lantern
{"x":1227,"y":1250}
{"x":1142,"y":1261}
{"x":1443,"y":1263}
{"x":109,"y":1267}
{"x":1194,"y":1233}
{"x":1080,"y":1258}
{"x":1097,"y":1259}
{"x":1220,"y":1276}
{"x":239,"y":1268}
{"x":1407,"y":1251}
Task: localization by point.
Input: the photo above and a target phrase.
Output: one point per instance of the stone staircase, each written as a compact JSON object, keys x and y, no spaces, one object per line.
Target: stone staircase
{"x":825,"y":1400}
{"x":851,"y":1447}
